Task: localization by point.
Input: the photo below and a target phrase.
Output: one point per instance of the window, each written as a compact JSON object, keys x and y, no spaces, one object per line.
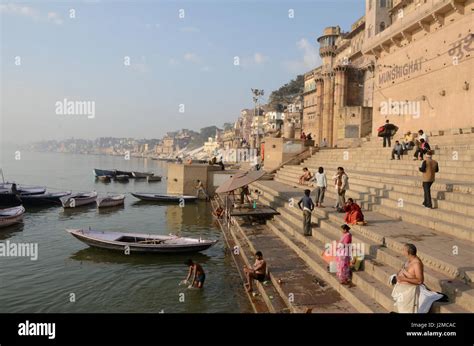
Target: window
{"x":383,"y":3}
{"x":382,"y":26}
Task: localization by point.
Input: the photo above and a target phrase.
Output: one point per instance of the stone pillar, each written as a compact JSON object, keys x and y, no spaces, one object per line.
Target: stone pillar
{"x":328,"y":107}
{"x":339,"y":100}
{"x":318,"y":135}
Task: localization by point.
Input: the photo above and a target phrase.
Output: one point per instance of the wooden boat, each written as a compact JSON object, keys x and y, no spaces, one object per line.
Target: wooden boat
{"x":140,"y":242}
{"x":110,"y":201}
{"x":11,"y":216}
{"x":104,"y":178}
{"x":161,"y":197}
{"x":79,"y":199}
{"x":23,"y":189}
{"x":142,"y":175}
{"x":107,"y":172}
{"x":153,"y":178}
{"x":44,"y":199}
{"x":128,"y":174}
{"x":9,"y":199}
{"x":122,"y":178}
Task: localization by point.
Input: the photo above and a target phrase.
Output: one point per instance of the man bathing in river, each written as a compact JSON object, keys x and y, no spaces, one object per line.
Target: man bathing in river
{"x":199,"y":275}
{"x":257,"y":272}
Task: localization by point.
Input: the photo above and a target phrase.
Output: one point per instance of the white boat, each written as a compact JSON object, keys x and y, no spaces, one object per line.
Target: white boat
{"x":79,"y":199}
{"x":142,"y":175}
{"x":110,"y":201}
{"x":11,"y":216}
{"x":140,"y":242}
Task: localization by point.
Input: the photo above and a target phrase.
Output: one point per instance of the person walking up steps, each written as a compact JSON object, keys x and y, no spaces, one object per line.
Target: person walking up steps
{"x":429,"y":168}
{"x":308,"y":207}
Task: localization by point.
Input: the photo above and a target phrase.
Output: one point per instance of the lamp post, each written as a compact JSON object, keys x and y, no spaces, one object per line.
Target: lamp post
{"x":257,"y":93}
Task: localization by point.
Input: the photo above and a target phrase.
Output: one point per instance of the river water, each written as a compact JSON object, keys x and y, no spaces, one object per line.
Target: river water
{"x":68,"y":276}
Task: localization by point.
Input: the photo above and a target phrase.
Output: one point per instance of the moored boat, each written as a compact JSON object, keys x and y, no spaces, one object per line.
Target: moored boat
{"x":44,"y":199}
{"x":79,"y":199}
{"x":162,"y":197}
{"x":122,"y":178}
{"x":104,"y":178}
{"x":153,"y":178}
{"x":142,"y":175}
{"x":11,"y":216}
{"x":127,"y":173}
{"x":22,"y":189}
{"x":110,"y":201}
{"x":104,"y":172}
{"x":140,"y":242}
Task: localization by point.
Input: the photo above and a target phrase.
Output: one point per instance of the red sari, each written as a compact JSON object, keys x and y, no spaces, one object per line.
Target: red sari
{"x":344,"y":258}
{"x":353,"y":214}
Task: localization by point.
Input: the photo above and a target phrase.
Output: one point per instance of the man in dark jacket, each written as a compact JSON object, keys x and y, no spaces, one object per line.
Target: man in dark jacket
{"x":388,"y":132}
{"x":429,"y":168}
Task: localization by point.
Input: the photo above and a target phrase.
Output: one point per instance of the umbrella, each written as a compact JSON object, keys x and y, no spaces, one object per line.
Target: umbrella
{"x":239,"y":180}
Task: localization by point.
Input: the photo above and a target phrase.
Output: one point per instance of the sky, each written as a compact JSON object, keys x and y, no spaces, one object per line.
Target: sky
{"x":148,"y":67}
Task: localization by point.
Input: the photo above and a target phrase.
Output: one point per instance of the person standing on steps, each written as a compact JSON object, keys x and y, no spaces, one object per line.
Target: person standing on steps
{"x":341,"y":182}
{"x":429,"y":168}
{"x":308,"y":207}
{"x":321,"y":185}
{"x":387,"y":131}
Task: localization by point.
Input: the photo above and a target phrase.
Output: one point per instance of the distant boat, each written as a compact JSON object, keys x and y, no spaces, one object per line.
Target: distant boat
{"x":79,"y":199}
{"x":23,"y":189}
{"x":128,"y":174}
{"x":107,"y":172}
{"x":104,"y":178}
{"x":157,"y":197}
{"x":153,"y":178}
{"x":142,"y":175}
{"x":110,"y":201}
{"x":122,"y":178}
{"x":44,"y":199}
{"x":11,"y":216}
{"x":140,"y":242}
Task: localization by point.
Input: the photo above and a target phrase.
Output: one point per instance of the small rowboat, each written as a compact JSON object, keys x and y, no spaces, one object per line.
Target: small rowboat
{"x":104,"y":178}
{"x":23,"y":189}
{"x":157,"y":197}
{"x":142,"y":175}
{"x":153,"y":178}
{"x":122,"y":178}
{"x":79,"y":199}
{"x":11,"y":216}
{"x":44,"y":199}
{"x":140,"y":242}
{"x":110,"y":201}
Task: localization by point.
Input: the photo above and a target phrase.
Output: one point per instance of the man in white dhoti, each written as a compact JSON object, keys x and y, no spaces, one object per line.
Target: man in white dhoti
{"x":408,"y":281}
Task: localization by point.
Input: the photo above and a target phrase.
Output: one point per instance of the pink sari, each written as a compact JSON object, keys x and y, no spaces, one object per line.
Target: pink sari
{"x":344,"y":258}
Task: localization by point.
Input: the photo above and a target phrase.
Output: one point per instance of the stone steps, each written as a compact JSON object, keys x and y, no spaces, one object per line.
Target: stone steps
{"x":449,"y":221}
{"x":375,"y":282}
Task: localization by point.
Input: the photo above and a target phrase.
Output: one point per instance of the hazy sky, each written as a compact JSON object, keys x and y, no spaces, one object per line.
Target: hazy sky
{"x":47,"y":56}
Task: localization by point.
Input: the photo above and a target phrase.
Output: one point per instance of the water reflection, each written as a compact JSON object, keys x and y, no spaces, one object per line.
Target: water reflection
{"x":10,"y":231}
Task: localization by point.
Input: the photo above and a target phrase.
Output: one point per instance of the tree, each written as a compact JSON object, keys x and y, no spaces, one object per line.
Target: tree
{"x":285,"y":95}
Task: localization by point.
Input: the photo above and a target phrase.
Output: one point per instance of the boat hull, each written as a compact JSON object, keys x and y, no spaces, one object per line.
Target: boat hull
{"x":79,"y":201}
{"x":107,"y":202}
{"x":150,"y":197}
{"x":44,"y":199}
{"x":111,"y":244}
{"x":15,"y":217}
{"x":153,"y":179}
{"x":104,"y":172}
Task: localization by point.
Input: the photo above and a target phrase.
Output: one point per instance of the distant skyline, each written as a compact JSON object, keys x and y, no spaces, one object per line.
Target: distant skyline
{"x":148,"y":67}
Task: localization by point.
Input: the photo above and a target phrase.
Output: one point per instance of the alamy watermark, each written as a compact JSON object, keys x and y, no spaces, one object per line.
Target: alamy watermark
{"x":392,"y":107}
{"x":67,"y":107}
{"x":8,"y":249}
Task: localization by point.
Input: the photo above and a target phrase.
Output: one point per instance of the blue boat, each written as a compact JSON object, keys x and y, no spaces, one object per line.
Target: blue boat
{"x":104,"y":172}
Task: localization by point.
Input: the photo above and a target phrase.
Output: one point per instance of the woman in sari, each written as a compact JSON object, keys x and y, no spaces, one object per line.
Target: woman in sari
{"x":353,"y":213}
{"x":343,"y":257}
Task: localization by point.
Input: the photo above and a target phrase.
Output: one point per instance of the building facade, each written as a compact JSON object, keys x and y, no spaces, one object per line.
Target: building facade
{"x":424,"y":63}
